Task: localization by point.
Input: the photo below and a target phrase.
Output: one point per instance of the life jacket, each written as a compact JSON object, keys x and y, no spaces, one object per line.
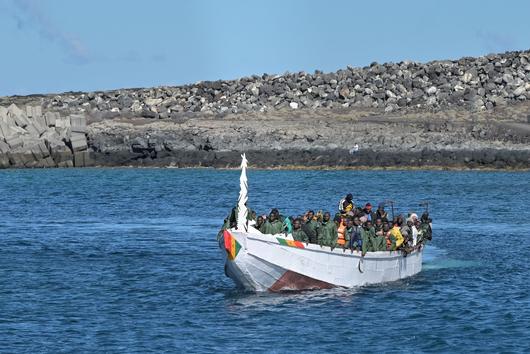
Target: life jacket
{"x":344,"y":209}
{"x":341,"y":234}
{"x":397,"y":234}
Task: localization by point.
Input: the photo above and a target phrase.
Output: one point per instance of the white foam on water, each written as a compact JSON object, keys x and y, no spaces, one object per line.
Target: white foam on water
{"x":436,"y":258}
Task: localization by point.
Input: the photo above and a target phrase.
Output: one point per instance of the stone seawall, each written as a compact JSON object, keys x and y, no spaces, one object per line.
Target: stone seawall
{"x":471,"y":112}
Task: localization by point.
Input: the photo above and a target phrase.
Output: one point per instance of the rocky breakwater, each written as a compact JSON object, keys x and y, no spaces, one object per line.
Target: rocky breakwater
{"x":471,"y":112}
{"x":318,"y":138}
{"x":481,"y":83}
{"x":29,"y":138}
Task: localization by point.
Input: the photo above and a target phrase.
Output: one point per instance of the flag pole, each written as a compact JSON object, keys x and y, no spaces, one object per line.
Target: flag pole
{"x":242,"y":211}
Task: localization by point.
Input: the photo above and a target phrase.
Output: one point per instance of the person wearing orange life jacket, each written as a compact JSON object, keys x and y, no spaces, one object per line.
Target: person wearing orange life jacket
{"x":346,"y":204}
{"x":342,"y":234}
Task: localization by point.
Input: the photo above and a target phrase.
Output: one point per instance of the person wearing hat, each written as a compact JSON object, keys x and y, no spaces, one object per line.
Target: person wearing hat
{"x":346,"y":204}
{"x":367,"y":211}
{"x":381,"y":213}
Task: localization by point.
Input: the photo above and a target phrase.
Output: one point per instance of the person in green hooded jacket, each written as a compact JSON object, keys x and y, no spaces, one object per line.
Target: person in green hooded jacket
{"x":298,"y":233}
{"x":327,"y":232}
{"x":272,"y":225}
{"x":368,"y":238}
{"x":379,"y":243}
{"x":231,"y":220}
{"x":310,"y":226}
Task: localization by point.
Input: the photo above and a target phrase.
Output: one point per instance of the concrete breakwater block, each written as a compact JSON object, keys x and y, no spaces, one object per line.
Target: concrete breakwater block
{"x":51,"y":117}
{"x":40,"y":150}
{"x":63,"y":128}
{"x":4,"y":148}
{"x":14,"y":142}
{"x":82,"y":159}
{"x":32,"y":130}
{"x":3,"y":113}
{"x":78,"y":123}
{"x":78,"y":141}
{"x":66,"y":164}
{"x":39,"y":123}
{"x":52,"y":138}
{"x":18,"y":116}
{"x":49,"y":162}
{"x":33,"y":111}
{"x":4,"y":160}
{"x":5,"y":131}
{"x":61,"y":157}
{"x":31,"y":138}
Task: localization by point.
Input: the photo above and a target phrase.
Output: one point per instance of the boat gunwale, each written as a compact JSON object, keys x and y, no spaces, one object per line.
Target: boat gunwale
{"x":338,"y":251}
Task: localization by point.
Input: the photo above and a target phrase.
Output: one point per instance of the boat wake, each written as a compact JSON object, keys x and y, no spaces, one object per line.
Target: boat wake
{"x":435,"y":258}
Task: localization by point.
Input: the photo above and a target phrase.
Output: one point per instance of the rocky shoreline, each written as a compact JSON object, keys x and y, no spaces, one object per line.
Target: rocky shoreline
{"x":467,"y":113}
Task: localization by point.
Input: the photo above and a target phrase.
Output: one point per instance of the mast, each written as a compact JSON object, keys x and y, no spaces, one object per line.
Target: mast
{"x":242,"y":211}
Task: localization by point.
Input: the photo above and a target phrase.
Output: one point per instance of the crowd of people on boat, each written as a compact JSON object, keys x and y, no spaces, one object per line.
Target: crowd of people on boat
{"x":353,"y":227}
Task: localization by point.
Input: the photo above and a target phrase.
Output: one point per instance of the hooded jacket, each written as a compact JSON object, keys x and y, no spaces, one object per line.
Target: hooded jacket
{"x":327,"y":234}
{"x":300,"y":235}
{"x":272,"y":228}
{"x":310,"y":228}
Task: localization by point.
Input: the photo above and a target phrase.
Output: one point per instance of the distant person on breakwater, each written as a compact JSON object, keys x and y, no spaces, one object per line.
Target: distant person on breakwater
{"x":354,"y":149}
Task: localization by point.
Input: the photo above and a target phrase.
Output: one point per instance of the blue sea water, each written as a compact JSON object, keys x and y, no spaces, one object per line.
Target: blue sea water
{"x":125,"y":260}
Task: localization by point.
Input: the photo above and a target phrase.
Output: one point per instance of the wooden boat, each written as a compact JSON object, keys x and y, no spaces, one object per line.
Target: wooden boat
{"x":259,"y":262}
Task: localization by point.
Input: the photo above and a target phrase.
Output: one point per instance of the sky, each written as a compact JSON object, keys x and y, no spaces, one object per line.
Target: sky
{"x":53,"y":46}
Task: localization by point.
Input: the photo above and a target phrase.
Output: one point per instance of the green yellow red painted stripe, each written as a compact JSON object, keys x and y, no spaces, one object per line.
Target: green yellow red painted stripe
{"x":290,"y":243}
{"x":231,"y":245}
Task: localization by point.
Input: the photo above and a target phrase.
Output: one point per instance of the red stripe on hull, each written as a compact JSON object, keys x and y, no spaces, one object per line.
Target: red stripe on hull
{"x":295,"y":281}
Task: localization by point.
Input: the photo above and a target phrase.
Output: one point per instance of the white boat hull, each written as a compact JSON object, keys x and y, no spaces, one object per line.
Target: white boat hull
{"x":259,"y":262}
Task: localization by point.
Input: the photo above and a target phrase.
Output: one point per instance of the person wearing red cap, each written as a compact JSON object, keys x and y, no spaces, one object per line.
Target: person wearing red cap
{"x":367,"y":212}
